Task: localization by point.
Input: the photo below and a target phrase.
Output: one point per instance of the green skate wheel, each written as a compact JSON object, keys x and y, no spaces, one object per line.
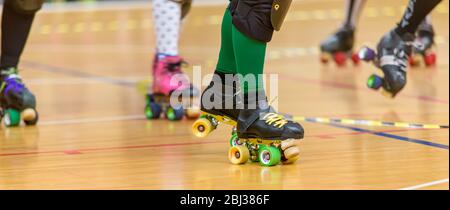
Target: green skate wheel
{"x":12,"y":118}
{"x":152,"y":111}
{"x":234,"y":140}
{"x":374,"y":82}
{"x":173,"y":114}
{"x":269,"y":156}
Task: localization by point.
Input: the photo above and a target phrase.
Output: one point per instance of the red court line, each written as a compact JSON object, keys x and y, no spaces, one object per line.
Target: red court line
{"x":82,"y":151}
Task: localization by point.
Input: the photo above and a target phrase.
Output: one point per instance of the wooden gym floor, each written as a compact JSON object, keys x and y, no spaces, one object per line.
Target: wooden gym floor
{"x":84,"y":64}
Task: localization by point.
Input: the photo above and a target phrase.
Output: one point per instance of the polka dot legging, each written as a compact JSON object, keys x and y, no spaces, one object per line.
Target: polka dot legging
{"x":167,"y":18}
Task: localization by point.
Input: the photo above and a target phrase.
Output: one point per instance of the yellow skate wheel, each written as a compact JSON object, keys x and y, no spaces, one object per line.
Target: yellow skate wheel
{"x":202,"y":127}
{"x":325,"y":57}
{"x":415,"y":60}
{"x":287,"y":143}
{"x":30,"y":116}
{"x":238,"y":154}
{"x":192,"y":113}
{"x":386,"y":93}
{"x":291,"y":155}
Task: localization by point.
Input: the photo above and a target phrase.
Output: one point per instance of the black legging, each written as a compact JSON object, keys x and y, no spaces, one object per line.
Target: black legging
{"x":415,"y":13}
{"x":15,"y":30}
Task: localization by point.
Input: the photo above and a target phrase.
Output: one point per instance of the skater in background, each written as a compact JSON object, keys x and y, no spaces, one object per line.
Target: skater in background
{"x":396,"y":46}
{"x":15,"y":99}
{"x":339,"y":46}
{"x":167,"y":63}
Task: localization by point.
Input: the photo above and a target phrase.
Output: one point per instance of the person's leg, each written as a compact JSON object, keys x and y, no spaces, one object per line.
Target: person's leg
{"x":227,"y":62}
{"x":167,"y":19}
{"x":219,"y":97}
{"x":395,"y":47}
{"x":15,"y":99}
{"x":15,"y":30}
{"x":167,"y":64}
{"x":252,"y":30}
{"x":415,"y":13}
{"x":339,"y":45}
{"x":353,"y":10}
{"x":250,"y":56}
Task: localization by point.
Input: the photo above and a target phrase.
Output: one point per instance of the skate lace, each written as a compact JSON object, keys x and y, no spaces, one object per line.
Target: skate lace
{"x":274,"y":119}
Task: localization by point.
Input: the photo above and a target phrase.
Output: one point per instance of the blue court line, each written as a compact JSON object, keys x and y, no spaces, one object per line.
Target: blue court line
{"x":77,"y":73}
{"x":395,"y":137}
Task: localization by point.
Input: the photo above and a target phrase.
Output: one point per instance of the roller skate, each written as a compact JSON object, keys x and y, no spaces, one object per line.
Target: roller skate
{"x":172,"y":93}
{"x":339,"y":47}
{"x":264,"y":136}
{"x":219,"y":105}
{"x":16,"y":101}
{"x":424,"y":46}
{"x":392,"y":58}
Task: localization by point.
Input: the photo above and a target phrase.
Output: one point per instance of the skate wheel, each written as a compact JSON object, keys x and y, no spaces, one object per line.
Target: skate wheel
{"x":287,"y":143}
{"x":366,"y":54}
{"x":192,"y":113}
{"x":234,"y":140}
{"x":30,"y":116}
{"x":11,"y":118}
{"x":414,"y":60}
{"x":387,"y":93}
{"x":340,"y":58}
{"x":355,"y":58}
{"x":325,"y":58}
{"x":202,"y":127}
{"x":291,"y":155}
{"x":173,"y":114}
{"x":374,"y":82}
{"x":430,"y":59}
{"x":269,"y":155}
{"x":152,"y":111}
{"x":238,"y":154}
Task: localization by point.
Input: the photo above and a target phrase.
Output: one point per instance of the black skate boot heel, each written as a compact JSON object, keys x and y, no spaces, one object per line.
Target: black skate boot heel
{"x":339,"y":47}
{"x":424,"y":46}
{"x":17,"y":102}
{"x":392,"y":59}
{"x":265,"y":136}
{"x":219,"y":104}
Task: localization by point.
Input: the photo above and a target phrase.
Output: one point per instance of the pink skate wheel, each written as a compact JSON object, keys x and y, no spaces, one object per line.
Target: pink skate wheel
{"x":340,"y":58}
{"x":430,"y":59}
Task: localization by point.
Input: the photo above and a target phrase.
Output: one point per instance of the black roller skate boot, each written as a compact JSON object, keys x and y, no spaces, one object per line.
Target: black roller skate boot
{"x":16,"y":101}
{"x":339,"y":47}
{"x":392,"y":58}
{"x":424,"y":46}
{"x":264,"y":135}
{"x":219,"y":104}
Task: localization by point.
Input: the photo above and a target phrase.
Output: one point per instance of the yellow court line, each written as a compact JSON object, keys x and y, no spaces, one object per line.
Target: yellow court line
{"x":368,"y":122}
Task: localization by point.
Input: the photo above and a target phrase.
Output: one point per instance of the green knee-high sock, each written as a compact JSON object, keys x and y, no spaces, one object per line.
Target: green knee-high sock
{"x":227,"y":62}
{"x":250,"y":55}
